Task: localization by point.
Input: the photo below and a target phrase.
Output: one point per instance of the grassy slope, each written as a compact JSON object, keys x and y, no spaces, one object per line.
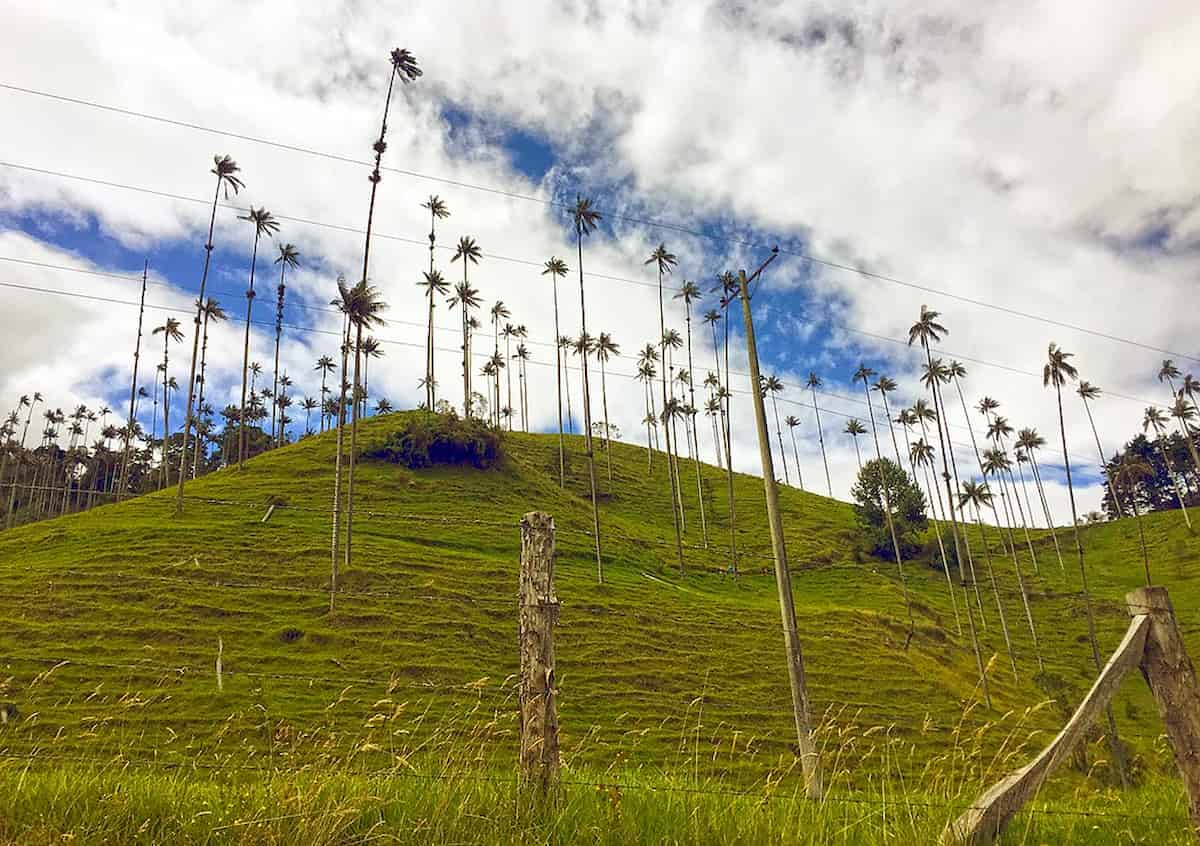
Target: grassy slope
{"x":655,"y":670}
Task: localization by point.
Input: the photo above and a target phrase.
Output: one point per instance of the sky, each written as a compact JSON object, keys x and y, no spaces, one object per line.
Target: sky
{"x":1027,"y":169}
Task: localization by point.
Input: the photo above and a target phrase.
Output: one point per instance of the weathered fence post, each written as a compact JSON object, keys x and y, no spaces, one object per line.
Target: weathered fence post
{"x":1172,"y":677}
{"x":538,"y":612}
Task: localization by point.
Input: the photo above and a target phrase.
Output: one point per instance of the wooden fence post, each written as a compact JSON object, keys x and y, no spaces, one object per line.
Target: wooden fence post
{"x":538,"y":613}
{"x":1172,"y":677}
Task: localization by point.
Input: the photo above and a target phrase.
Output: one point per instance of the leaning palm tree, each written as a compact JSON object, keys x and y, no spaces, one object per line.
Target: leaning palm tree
{"x":29,"y":404}
{"x":467,"y":298}
{"x":212,"y":311}
{"x":920,"y":454}
{"x":1057,"y":372}
{"x":1030,"y":442}
{"x":556,"y":268}
{"x":225,"y":169}
{"x":977,"y":494}
{"x":1168,"y":373}
{"x":712,"y":317}
{"x":864,"y":374}
{"x":689,"y":292}
{"x":1156,"y":419}
{"x":326,"y":366}
{"x":998,"y":431}
{"x":606,"y":348}
{"x":812,"y":383}
{"x":434,"y":282}
{"x":170,"y":332}
{"x":264,"y":224}
{"x":288,"y":257}
{"x":664,"y":261}
{"x":1130,"y":472}
{"x":772,"y":385}
{"x":927,"y":331}
{"x":586,"y":219}
{"x":1088,"y":391}
{"x":854,"y":428}
{"x":365,"y":312}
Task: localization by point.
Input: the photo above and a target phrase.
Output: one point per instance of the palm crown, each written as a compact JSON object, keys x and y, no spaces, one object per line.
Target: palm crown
{"x":1058,"y":370}
{"x":584,"y":216}
{"x":404,"y":65}
{"x":225,"y":169}
{"x":467,"y":250}
{"x":688,"y":292}
{"x":662,"y":259}
{"x":289,"y":256}
{"x":854,"y":427}
{"x":555,"y":267}
{"x":927,"y":330}
{"x":264,"y":222}
{"x":436,"y":206}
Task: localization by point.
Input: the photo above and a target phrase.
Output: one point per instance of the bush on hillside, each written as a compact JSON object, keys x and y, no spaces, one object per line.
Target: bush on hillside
{"x":429,"y":439}
{"x":908,"y":508}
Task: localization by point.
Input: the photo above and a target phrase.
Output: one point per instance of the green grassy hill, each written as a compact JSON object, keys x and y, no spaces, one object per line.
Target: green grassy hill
{"x":113,"y":618}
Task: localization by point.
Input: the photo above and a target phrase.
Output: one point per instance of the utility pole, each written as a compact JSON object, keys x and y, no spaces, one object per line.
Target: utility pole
{"x":810,"y":762}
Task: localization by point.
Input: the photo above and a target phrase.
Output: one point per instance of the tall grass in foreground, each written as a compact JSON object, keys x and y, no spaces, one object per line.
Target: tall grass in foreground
{"x":407,"y":777}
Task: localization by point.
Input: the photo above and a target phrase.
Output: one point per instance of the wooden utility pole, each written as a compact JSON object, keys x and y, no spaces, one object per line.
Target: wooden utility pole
{"x":809,"y":760}
{"x":1172,"y":677}
{"x":538,"y":613}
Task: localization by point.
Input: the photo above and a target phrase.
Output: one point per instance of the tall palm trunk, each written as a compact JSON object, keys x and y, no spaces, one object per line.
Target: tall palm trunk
{"x":137,"y":350}
{"x":796,"y":457}
{"x":166,"y":469}
{"x":1103,"y":464}
{"x":508,"y":376}
{"x":987,"y":559}
{"x":939,"y":518}
{"x":821,"y":440}
{"x":604,"y":406}
{"x":1012,"y":545}
{"x":662,"y":346}
{"x":337,"y":473}
{"x":246,"y":356}
{"x":587,"y":417}
{"x":858,"y":454}
{"x":558,"y":383}
{"x":275,"y":372}
{"x":887,"y":505}
{"x":887,"y":412}
{"x":1037,"y":478}
{"x":962,"y":572}
{"x":200,"y":399}
{"x":430,"y":393}
{"x":1174,"y":480}
{"x":687,"y":304}
{"x":352,"y":459}
{"x":567,"y":388}
{"x":787,"y":480}
{"x":187,"y":417}
{"x":1114,"y":740}
{"x":727,"y":425}
{"x":323,"y":392}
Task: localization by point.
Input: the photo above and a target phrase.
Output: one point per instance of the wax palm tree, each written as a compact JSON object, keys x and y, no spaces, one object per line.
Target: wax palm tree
{"x":310,"y":404}
{"x":1128,"y":474}
{"x":771,"y":386}
{"x":864,"y":374}
{"x":495,"y":365}
{"x":383,"y":406}
{"x":288,"y":257}
{"x":792,"y":422}
{"x":467,"y":298}
{"x":927,"y":331}
{"x":671,"y":342}
{"x":366,"y":309}
{"x":998,"y":432}
{"x":1057,"y":372}
{"x":522,"y":357}
{"x":689,"y":292}
{"x":326,"y":366}
{"x":712,"y":317}
{"x":854,"y":428}
{"x":28,"y":404}
{"x":977,"y":494}
{"x":1087,"y":391}
{"x":225,"y":170}
{"x":1030,"y":442}
{"x":886,"y":385}
{"x":371,"y":348}
{"x":556,"y":268}
{"x":499,"y":312}
{"x":1168,"y":373}
{"x":212,"y":312}
{"x":586,"y":218}
{"x":920,"y":454}
{"x":170,"y":332}
{"x":664,"y":261}
{"x":728,"y":286}
{"x":1184,"y":412}
{"x":606,"y":348}
{"x":565,"y":345}
{"x":507,"y":333}
{"x":1156,"y":420}
{"x":812,"y":383}
{"x":646,"y":375}
{"x":264,"y":225}
{"x":435,"y":284}
{"x":712,"y":410}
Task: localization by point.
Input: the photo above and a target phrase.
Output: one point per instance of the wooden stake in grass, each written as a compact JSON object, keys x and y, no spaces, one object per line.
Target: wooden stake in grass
{"x":809,"y":760}
{"x":538,"y":613}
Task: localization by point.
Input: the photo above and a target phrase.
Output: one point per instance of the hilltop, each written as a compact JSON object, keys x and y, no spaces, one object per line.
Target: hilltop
{"x":655,"y":668}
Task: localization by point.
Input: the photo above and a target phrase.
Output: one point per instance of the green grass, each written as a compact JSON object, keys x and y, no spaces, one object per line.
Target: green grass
{"x":661,"y":675}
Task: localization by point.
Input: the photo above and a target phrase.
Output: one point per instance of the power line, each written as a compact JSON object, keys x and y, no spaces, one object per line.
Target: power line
{"x":670,"y":226}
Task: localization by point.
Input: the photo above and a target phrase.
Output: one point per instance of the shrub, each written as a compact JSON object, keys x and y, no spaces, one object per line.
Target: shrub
{"x":908,"y":509}
{"x":429,"y":439}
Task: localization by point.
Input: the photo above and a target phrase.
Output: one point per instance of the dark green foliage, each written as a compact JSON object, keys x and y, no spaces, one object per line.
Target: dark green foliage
{"x":908,"y":509}
{"x":429,"y":439}
{"x":1156,"y":492}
